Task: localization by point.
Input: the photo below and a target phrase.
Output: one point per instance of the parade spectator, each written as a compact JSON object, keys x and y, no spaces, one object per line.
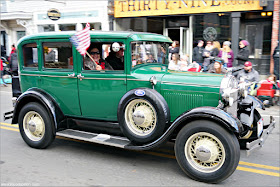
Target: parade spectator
{"x":248,"y":73}
{"x":14,"y":63}
{"x":2,"y":73}
{"x":206,"y":55}
{"x":161,"y":55}
{"x":174,"y":48}
{"x":175,"y":63}
{"x":216,"y":48}
{"x":151,"y":59}
{"x":217,"y":67}
{"x":243,"y":53}
{"x":197,"y":53}
{"x":226,"y":54}
{"x":50,"y":55}
{"x":276,"y":61}
{"x":12,"y":51}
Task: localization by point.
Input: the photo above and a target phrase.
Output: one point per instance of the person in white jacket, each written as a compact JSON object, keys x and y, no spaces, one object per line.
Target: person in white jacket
{"x":176,"y":64}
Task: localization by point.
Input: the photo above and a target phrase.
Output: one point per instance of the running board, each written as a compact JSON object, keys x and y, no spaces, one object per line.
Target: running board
{"x":105,"y":139}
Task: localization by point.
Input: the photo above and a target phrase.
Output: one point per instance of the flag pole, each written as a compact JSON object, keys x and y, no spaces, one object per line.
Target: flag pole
{"x":91,"y":58}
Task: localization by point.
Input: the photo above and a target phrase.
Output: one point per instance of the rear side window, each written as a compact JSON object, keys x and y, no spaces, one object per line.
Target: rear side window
{"x":58,"y":55}
{"x":30,"y":55}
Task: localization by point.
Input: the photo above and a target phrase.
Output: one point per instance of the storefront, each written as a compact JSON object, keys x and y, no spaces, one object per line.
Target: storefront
{"x":193,"y":20}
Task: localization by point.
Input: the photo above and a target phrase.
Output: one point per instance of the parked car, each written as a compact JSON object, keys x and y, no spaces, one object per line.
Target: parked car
{"x":138,"y":106}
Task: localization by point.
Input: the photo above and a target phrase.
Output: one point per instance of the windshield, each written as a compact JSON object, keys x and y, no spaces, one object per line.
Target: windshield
{"x":148,"y":52}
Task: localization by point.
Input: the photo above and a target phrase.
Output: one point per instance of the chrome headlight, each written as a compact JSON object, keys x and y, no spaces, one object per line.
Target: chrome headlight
{"x":229,"y":87}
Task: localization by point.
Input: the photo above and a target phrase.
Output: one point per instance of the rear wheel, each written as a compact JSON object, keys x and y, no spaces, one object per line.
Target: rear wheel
{"x":36,"y":125}
{"x":206,"y":151}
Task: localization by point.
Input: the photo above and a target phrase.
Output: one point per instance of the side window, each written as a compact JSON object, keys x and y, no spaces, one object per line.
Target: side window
{"x":30,"y":55}
{"x":58,"y":55}
{"x":103,"y":58}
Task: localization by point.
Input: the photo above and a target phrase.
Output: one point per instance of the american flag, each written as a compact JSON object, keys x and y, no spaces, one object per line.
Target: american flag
{"x":81,"y":40}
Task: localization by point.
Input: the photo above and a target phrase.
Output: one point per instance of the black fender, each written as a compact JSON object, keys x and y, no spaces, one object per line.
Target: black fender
{"x":247,"y":107}
{"x":40,"y":96}
{"x":223,"y":118}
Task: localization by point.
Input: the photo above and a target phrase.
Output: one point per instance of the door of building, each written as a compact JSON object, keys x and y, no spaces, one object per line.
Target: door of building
{"x":180,"y":34}
{"x":258,"y":34}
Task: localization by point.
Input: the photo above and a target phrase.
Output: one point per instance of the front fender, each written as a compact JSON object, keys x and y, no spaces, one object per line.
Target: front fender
{"x":208,"y":113}
{"x":38,"y":95}
{"x":215,"y":114}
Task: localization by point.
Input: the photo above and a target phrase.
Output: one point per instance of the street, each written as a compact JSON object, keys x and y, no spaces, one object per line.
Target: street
{"x":69,"y":162}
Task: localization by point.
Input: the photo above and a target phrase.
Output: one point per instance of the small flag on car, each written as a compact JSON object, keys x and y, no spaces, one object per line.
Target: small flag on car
{"x":81,"y":40}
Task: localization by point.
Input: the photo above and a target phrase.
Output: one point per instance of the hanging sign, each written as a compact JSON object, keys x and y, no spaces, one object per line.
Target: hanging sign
{"x":54,"y":14}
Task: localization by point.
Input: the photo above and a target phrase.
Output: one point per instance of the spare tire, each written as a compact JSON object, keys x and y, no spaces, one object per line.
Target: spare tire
{"x":143,"y":115}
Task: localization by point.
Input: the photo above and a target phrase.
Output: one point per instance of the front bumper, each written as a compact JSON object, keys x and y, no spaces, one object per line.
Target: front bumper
{"x":258,"y":143}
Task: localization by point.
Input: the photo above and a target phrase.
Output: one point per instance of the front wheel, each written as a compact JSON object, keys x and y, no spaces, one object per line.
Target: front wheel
{"x":206,"y":151}
{"x":36,"y":125}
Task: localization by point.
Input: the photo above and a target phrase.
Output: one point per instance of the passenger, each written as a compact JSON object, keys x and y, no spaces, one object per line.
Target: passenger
{"x":226,"y":54}
{"x":248,"y":73}
{"x":197,"y":53}
{"x":243,"y":53}
{"x":97,"y":63}
{"x":176,"y":64}
{"x":116,"y":60}
{"x":217,"y":67}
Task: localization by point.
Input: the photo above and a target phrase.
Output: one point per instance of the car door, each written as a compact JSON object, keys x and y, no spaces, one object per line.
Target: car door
{"x":58,"y":74}
{"x":101,"y":91}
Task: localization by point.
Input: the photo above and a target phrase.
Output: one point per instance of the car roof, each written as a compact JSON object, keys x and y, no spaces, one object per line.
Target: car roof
{"x":137,"y":36}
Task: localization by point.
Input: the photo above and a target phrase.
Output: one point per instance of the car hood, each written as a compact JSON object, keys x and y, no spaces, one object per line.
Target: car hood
{"x":192,"y":79}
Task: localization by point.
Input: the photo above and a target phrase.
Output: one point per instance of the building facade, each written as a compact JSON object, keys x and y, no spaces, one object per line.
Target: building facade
{"x":188,"y":21}
{"x":20,"y":18}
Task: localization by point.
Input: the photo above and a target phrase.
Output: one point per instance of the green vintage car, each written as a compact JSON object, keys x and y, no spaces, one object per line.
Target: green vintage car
{"x":133,"y":101}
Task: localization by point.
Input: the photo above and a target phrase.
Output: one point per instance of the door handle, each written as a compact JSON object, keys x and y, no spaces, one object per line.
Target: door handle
{"x":71,"y":75}
{"x":80,"y":76}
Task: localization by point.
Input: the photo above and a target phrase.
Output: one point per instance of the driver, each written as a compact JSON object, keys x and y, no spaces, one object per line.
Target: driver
{"x":248,"y":73}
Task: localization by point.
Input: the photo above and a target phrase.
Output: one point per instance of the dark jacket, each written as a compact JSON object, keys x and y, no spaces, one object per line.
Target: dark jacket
{"x":215,"y":52}
{"x":14,"y":62}
{"x":115,"y":62}
{"x":174,"y":50}
{"x":242,"y":56}
{"x":276,"y":52}
{"x":197,"y":54}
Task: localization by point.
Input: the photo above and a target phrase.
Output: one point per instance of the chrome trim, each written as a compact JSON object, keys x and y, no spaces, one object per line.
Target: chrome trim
{"x":104,"y":78}
{"x":40,"y":75}
{"x":189,"y":84}
{"x":139,"y":80}
{"x":189,"y":90}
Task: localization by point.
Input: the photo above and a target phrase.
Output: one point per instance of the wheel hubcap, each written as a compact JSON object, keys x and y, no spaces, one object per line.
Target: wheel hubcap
{"x":205,"y":152}
{"x":140,"y":117}
{"x":33,"y":126}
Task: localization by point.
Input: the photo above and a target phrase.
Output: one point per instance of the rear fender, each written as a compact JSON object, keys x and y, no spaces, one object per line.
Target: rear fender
{"x":38,"y":95}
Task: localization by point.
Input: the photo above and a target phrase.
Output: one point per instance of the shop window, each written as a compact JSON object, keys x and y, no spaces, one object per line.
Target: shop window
{"x":67,"y":27}
{"x":20,"y":34}
{"x":30,"y":55}
{"x":58,"y":55}
{"x":216,"y":23}
{"x":266,"y":39}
